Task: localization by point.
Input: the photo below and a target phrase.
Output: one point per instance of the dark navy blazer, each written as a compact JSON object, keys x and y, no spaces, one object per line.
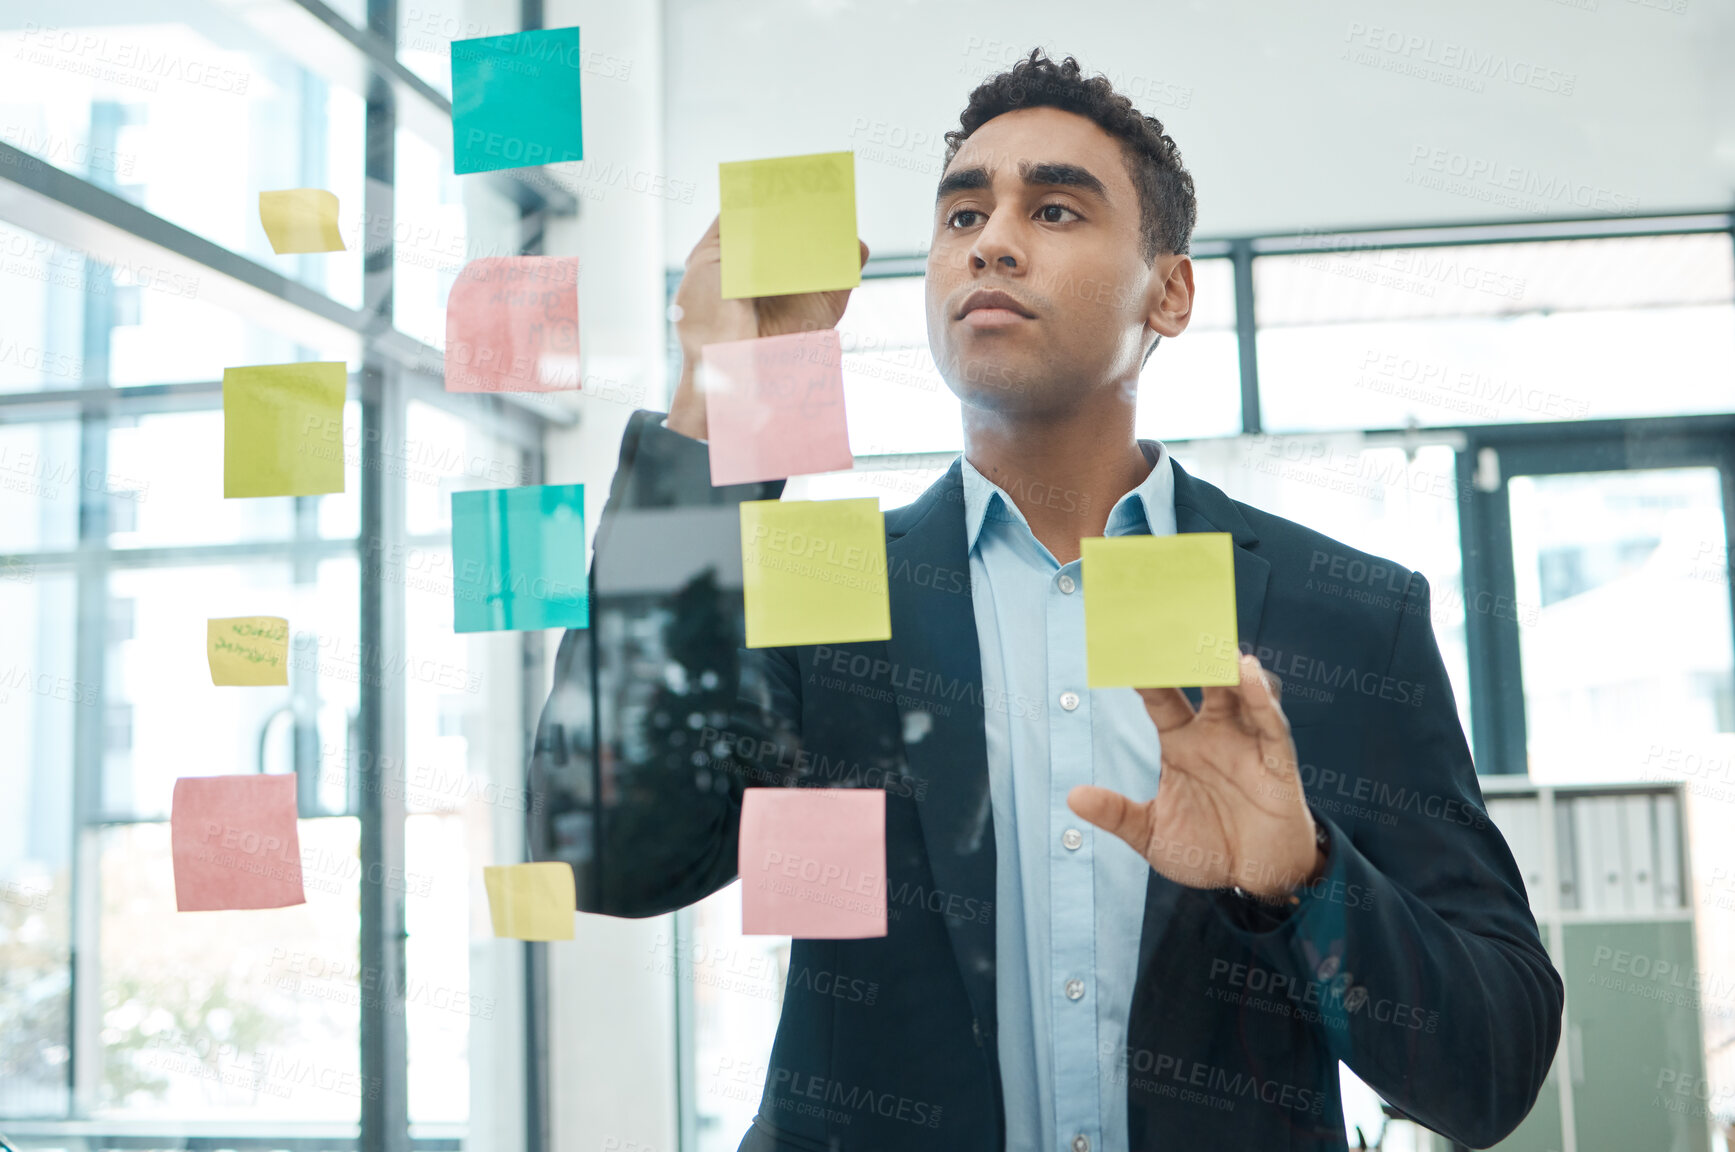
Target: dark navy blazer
{"x":1415,"y":961}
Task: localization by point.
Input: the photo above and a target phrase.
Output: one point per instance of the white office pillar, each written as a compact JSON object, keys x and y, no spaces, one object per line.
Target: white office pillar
{"x":611,"y":1010}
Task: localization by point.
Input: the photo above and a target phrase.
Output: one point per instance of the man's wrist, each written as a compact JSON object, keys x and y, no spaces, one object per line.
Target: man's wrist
{"x":1289,"y":898}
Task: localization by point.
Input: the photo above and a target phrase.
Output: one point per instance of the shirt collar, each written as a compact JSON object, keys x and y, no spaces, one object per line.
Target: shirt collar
{"x":1147,"y":509}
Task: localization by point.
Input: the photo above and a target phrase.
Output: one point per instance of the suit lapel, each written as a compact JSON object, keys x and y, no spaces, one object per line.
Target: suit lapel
{"x":934,"y":639}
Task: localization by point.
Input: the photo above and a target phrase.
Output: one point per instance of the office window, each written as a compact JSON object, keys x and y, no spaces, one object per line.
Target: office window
{"x":1495,"y":333}
{"x":116,"y":545}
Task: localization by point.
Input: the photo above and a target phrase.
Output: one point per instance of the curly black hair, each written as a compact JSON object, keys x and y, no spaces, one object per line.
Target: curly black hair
{"x":1167,"y":207}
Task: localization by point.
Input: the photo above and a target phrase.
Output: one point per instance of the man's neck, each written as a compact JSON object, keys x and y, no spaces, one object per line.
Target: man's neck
{"x":1064,"y":472}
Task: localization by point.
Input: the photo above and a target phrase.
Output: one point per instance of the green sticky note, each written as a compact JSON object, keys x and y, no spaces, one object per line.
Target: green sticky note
{"x":532,"y":901}
{"x":283,"y":429}
{"x":515,"y":100}
{"x":814,"y":572}
{"x":518,"y":559}
{"x":788,"y":225}
{"x":1159,"y":611}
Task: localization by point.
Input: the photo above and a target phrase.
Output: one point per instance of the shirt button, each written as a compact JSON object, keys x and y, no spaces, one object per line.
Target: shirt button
{"x":1075,"y":989}
{"x":1072,"y":838}
{"x":1081,"y":1143}
{"x":1069,"y":700}
{"x":1067,"y":586}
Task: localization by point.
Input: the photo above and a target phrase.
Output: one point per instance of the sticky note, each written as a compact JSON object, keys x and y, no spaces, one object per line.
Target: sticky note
{"x":248,"y":650}
{"x":814,"y":572}
{"x":531,"y":901}
{"x":812,"y":862}
{"x":234,"y":843}
{"x":518,"y":559}
{"x":300,"y":220}
{"x":515,"y":100}
{"x":283,"y":429}
{"x":512,"y":325}
{"x":1159,"y":611}
{"x":788,"y":225}
{"x":774,"y":407}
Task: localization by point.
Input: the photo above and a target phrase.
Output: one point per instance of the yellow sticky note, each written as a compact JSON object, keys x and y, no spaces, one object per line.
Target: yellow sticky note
{"x":531,"y":901}
{"x":283,"y":429}
{"x":248,"y":650}
{"x":814,"y":572}
{"x":788,"y":225}
{"x":1159,"y":611}
{"x":300,"y":220}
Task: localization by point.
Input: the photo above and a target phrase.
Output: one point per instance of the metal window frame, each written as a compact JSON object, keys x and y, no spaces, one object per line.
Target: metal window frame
{"x":396,"y":370}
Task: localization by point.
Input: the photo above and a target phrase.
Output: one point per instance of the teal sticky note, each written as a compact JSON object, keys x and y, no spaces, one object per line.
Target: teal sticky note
{"x":515,"y":100}
{"x":518,"y":559}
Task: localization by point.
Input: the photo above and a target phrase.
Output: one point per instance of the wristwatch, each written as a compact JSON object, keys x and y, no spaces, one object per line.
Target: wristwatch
{"x":1321,"y":842}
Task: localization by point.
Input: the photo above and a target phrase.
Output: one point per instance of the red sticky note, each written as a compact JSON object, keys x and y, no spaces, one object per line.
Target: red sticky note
{"x":234,"y":843}
{"x":813,"y":862}
{"x":774,"y":407}
{"x":512,"y":325}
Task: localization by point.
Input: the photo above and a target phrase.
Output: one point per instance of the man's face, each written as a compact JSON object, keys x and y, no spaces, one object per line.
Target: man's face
{"x":1038,"y":206}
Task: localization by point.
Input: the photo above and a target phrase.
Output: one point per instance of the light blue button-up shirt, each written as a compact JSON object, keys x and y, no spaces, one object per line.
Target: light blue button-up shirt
{"x":1069,"y":899}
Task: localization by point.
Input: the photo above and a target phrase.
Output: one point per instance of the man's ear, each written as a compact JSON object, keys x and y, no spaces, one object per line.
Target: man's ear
{"x":1169,"y":297}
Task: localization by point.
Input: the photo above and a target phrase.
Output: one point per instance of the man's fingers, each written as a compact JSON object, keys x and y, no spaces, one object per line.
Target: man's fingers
{"x":1112,"y":812}
{"x":1169,"y":707}
{"x":864,"y":251}
{"x":1258,"y":695}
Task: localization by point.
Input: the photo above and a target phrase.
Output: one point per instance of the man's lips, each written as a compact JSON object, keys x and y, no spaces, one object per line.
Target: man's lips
{"x":998,"y":307}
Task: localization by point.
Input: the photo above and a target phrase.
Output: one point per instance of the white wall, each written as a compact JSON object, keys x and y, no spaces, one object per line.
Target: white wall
{"x":1279,"y":129}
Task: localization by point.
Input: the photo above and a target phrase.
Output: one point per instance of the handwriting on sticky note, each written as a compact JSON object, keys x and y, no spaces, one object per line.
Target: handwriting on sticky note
{"x":1159,"y":611}
{"x":248,"y":650}
{"x":774,"y":407}
{"x":531,"y":901}
{"x":788,"y":225}
{"x":812,"y":862}
{"x":234,"y":843}
{"x":814,"y":572}
{"x":300,"y":220}
{"x":518,"y":559}
{"x":515,"y":100}
{"x":512,"y":325}
{"x":283,"y":429}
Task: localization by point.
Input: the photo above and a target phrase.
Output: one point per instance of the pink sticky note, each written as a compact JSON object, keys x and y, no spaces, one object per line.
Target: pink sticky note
{"x":512,"y":325}
{"x":774,"y":407}
{"x":234,"y":843}
{"x":813,"y":862}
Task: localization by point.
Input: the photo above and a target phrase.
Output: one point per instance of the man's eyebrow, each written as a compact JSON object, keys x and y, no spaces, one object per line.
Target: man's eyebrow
{"x":1039,"y":173}
{"x":1065,"y":175}
{"x":963,"y":180}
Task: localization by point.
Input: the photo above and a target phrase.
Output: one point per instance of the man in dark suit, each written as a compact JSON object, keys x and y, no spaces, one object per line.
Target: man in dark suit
{"x":1300,"y":871}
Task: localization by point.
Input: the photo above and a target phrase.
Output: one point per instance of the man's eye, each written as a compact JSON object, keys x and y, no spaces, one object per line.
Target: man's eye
{"x":1047,"y":210}
{"x":953,"y":221}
